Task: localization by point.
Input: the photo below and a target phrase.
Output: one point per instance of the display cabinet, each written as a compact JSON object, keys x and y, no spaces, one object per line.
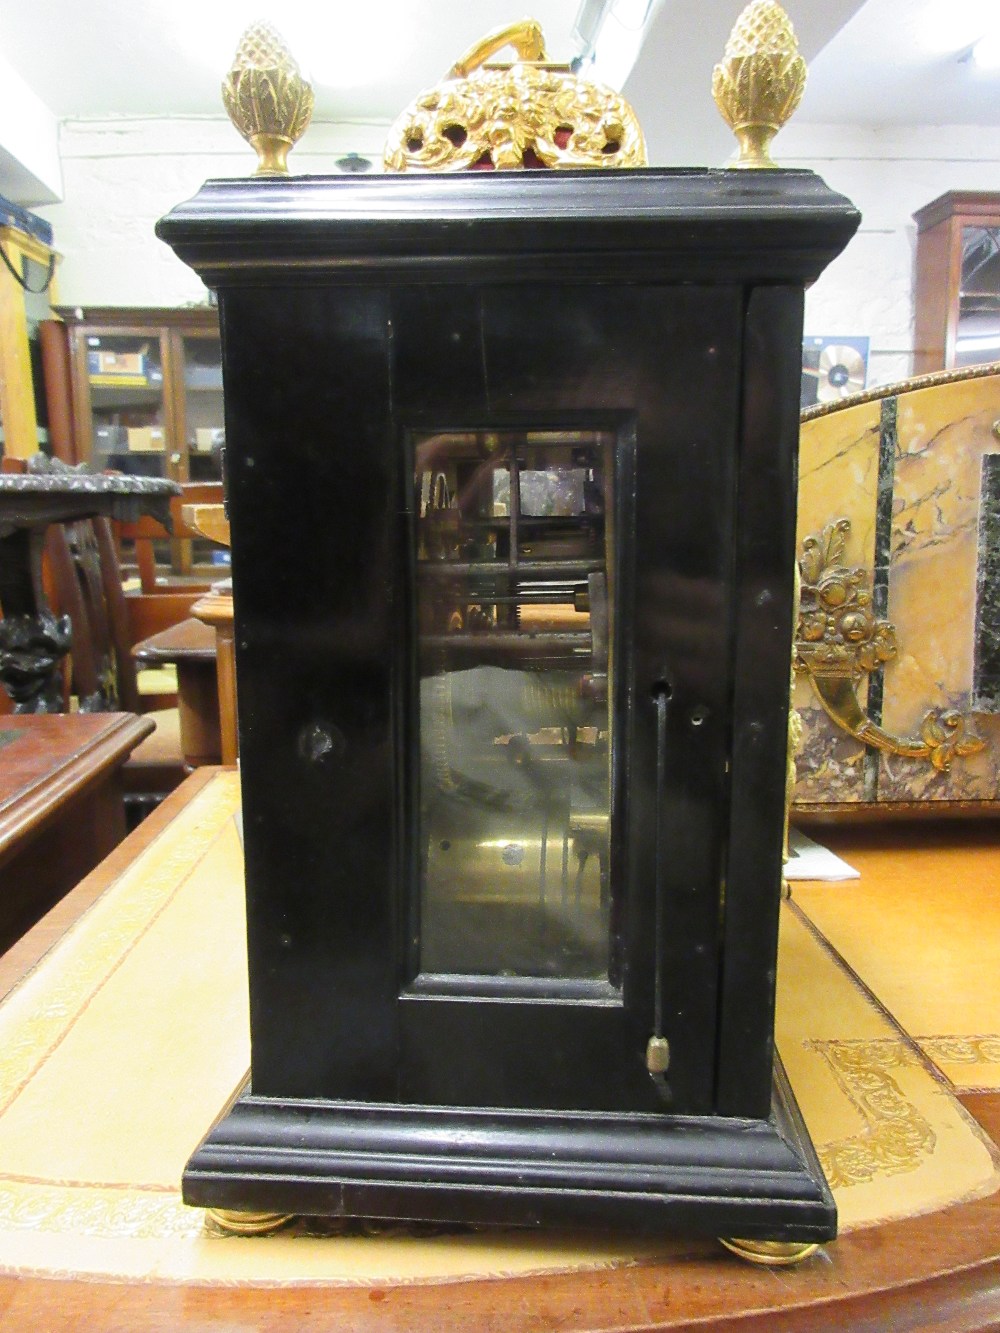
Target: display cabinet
{"x":147,"y":390}
{"x":957,"y":291}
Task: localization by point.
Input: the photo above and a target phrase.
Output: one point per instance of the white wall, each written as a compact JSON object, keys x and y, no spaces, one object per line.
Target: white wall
{"x":120,"y":176}
{"x":889,"y":174}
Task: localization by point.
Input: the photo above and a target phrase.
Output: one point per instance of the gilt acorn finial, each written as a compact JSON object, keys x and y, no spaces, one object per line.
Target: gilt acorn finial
{"x":759,"y":82}
{"x":266,"y":97}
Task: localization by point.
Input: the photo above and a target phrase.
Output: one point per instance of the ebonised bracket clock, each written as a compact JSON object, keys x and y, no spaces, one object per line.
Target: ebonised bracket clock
{"x":511,"y":464}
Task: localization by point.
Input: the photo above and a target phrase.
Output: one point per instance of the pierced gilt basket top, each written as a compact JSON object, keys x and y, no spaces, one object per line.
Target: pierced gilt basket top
{"x":531,"y":113}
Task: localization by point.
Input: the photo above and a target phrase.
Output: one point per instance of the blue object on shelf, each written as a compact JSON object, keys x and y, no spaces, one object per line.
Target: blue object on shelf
{"x":13,"y":215}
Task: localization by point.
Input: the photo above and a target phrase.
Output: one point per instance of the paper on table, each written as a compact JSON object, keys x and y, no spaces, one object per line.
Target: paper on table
{"x":808,"y":860}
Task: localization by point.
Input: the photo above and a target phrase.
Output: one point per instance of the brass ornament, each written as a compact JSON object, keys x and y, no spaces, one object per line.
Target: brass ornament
{"x":760,"y":80}
{"x":776,"y":1253}
{"x":236,"y":1223}
{"x":839,"y":640}
{"x":508,"y":117}
{"x":266,"y":98}
{"x":796,"y":728}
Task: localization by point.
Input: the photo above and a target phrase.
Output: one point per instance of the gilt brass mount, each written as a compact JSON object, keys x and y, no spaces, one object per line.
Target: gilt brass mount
{"x":759,"y":81}
{"x":774,"y":1253}
{"x":238,"y":1223}
{"x":266,"y":98}
{"x":509,"y":116}
{"x":839,"y":640}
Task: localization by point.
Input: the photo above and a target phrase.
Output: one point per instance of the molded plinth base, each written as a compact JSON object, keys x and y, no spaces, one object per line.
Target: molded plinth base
{"x":757,"y":1179}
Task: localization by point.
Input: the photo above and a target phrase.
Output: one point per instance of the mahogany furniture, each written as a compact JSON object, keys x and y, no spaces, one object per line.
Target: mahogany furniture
{"x":939,"y":1270}
{"x":68,"y":513}
{"x":190,"y":646}
{"x":534,"y":435}
{"x":957,"y":289}
{"x":147,"y":389}
{"x":167,"y":588}
{"x":32,"y":640}
{"x":61,"y":806}
{"x":216,"y":609}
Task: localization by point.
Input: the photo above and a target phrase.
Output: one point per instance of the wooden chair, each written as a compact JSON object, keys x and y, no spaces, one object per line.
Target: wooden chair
{"x":82,"y":581}
{"x":85,"y":583}
{"x":164,"y":599}
{"x":202,"y":651}
{"x":216,"y":610}
{"x":87,"y":586}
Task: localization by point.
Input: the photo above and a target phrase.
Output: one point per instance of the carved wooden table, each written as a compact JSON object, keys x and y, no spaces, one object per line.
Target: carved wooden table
{"x":215,"y":609}
{"x":32,"y":639}
{"x":190,"y":646}
{"x":61,"y":806}
{"x":939,"y":1270}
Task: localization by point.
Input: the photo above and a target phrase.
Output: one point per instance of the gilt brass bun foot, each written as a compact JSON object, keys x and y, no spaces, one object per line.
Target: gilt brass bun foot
{"x":777,"y":1252}
{"x":239,"y":1223}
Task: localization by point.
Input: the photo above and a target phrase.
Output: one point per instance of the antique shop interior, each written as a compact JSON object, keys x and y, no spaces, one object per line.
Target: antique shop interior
{"x":500,"y":639}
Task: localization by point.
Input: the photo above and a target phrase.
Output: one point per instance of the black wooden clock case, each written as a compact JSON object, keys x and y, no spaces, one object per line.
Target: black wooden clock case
{"x":665,"y":309}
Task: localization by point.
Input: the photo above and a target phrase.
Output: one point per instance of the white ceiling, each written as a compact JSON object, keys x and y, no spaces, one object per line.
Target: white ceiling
{"x":163,"y":57}
{"x":899,"y":62}
{"x":872,"y":62}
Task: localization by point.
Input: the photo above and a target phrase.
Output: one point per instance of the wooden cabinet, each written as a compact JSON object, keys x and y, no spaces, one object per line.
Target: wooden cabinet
{"x":957,"y":294}
{"x":147,"y":390}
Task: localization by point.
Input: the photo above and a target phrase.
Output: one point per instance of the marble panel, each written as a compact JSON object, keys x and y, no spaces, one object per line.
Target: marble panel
{"x":944,"y":431}
{"x":909,"y":476}
{"x":986,"y":668}
{"x":838,"y":475}
{"x":838,"y":478}
{"x":830,"y":765}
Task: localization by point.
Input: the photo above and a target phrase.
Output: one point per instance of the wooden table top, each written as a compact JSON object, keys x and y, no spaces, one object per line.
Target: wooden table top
{"x":939,"y":1271}
{"x":48,"y":758}
{"x":189,"y":640}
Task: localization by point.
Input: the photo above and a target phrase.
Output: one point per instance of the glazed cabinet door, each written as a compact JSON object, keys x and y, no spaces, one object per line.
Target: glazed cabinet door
{"x":568,"y":690}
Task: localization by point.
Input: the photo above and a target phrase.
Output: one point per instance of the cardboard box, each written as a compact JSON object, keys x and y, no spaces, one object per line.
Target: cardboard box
{"x":206,"y":438}
{"x":119,"y":363}
{"x":146,"y":439}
